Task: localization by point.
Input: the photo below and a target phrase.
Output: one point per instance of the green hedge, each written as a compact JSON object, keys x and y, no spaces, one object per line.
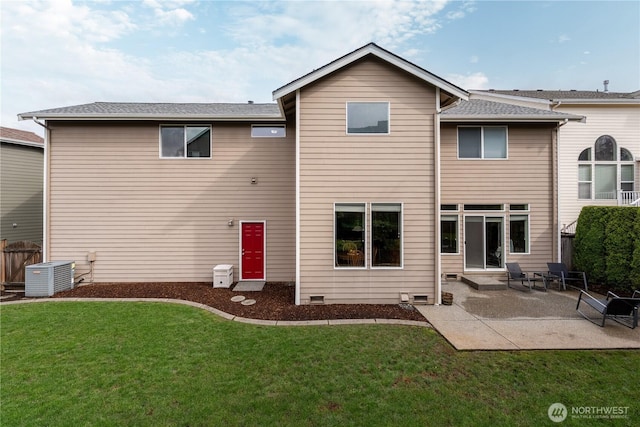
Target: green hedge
{"x":607,"y":246}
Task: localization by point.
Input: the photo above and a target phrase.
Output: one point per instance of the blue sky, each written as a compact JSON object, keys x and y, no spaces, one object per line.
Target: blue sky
{"x":61,"y":52}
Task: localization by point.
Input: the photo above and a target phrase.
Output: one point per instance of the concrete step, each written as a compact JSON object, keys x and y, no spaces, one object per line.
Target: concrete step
{"x":484,"y":283}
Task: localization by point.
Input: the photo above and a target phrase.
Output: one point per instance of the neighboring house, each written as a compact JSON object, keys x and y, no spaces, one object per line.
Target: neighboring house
{"x":367,"y":181}
{"x":21,"y":175}
{"x":599,"y":160}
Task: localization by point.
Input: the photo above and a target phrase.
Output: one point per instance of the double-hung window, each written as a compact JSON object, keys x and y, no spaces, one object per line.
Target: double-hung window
{"x":177,"y":141}
{"x":482,"y":142}
{"x":367,"y":118}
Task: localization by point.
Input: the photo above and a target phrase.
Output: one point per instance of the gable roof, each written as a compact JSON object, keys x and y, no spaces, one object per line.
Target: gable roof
{"x":161,"y":111}
{"x":20,"y":137}
{"x":569,"y":96}
{"x":476,"y":110}
{"x":375,"y":50}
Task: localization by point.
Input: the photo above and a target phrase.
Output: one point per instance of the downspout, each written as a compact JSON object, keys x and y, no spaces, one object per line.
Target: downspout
{"x":45,"y":191}
{"x":556,"y":188}
{"x":297,"y":296}
{"x":436,"y":163}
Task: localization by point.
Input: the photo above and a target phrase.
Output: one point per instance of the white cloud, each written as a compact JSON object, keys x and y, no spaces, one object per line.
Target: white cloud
{"x":474,"y":59}
{"x":469,"y":81}
{"x":73,"y":55}
{"x":563,"y":38}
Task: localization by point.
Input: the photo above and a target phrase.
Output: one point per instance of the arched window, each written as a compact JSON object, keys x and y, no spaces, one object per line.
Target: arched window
{"x":607,"y":171}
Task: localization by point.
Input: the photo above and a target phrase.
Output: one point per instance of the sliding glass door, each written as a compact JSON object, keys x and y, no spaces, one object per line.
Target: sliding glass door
{"x":484,"y":242}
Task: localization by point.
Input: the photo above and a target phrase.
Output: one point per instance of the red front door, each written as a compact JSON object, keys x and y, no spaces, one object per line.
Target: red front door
{"x":252,"y":246}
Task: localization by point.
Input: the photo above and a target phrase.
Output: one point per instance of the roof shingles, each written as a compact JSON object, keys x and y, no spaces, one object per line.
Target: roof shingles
{"x":160,"y":110}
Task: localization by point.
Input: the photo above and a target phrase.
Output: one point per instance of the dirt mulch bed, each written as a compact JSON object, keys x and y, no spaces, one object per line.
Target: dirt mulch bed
{"x":274,"y":302}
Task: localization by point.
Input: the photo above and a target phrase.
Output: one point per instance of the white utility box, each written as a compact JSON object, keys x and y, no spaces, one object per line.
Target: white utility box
{"x":222,"y":276}
{"x":48,"y":278}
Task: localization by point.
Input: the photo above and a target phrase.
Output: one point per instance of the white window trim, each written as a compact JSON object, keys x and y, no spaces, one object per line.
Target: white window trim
{"x":185,"y":157}
{"x":284,"y":127}
{"x":443,"y":214}
{"x":444,"y":211}
{"x":346,"y":115}
{"x":485,"y":214}
{"x":527,"y":237}
{"x":593,"y":163}
{"x":482,"y":128}
{"x":333,"y":240}
{"x":386,"y":267}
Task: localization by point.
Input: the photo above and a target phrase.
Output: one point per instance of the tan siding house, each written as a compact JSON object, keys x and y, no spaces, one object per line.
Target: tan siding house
{"x":359,"y":184}
{"x":493,"y":192}
{"x":336,"y":167}
{"x":153,"y":219}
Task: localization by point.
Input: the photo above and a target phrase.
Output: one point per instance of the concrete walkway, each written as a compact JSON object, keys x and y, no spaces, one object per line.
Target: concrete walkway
{"x":515,"y":320}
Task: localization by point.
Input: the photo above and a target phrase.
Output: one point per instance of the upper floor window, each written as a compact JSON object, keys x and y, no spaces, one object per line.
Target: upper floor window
{"x":604,"y":170}
{"x":367,"y":117}
{"x":482,"y":142}
{"x":268,"y":131}
{"x":185,"y":141}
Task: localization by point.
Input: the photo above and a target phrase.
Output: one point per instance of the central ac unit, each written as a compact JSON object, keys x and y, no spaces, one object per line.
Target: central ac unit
{"x":48,"y":278}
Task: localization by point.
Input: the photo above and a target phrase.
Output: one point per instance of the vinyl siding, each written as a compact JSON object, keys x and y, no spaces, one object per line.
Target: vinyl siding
{"x":526,"y":177}
{"x":21,"y":177}
{"x":622,"y":122}
{"x":162,"y":220}
{"x":340,"y":168}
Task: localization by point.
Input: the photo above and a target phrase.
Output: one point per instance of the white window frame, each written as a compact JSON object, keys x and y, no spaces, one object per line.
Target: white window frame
{"x":387,"y":267}
{"x":283,"y":127}
{"x":527,"y":236}
{"x":482,"y":157}
{"x":449,"y":217}
{"x":367,"y":133}
{"x":184,"y":126}
{"x":364,"y":245}
{"x":592,"y":163}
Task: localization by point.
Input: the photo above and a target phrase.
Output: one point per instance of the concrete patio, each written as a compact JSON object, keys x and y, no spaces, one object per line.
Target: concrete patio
{"x":514,"y":320}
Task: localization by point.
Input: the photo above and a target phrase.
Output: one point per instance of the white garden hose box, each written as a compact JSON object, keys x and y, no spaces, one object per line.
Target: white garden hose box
{"x":222,"y":276}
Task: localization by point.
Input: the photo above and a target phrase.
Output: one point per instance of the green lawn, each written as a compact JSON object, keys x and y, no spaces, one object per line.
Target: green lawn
{"x":151,"y":364}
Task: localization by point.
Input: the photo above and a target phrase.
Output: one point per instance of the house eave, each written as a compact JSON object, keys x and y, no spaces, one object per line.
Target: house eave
{"x":22,"y":143}
{"x":480,"y":93}
{"x":512,"y":119}
{"x":370,"y":49}
{"x":616,"y":101}
{"x":152,"y":117}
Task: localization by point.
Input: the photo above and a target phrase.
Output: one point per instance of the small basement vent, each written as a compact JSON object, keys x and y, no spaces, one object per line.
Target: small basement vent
{"x":48,"y":278}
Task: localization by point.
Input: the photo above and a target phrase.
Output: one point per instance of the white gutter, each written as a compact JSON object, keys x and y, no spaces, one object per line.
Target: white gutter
{"x":297,"y":297}
{"x":501,"y":119}
{"x":123,"y":117}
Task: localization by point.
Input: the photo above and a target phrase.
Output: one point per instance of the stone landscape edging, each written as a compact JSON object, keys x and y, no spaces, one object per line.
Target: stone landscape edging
{"x":232,"y":317}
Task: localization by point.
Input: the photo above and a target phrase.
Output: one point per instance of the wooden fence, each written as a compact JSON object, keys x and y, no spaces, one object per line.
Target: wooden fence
{"x":15,"y":257}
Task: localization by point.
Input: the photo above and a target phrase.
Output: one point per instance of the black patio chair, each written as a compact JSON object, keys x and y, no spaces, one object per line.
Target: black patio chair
{"x":559,"y":271}
{"x":514,"y":272}
{"x":621,"y":309}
